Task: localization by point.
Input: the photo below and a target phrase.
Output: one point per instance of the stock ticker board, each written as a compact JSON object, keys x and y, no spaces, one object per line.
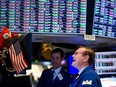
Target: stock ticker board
{"x":55,"y":16}
{"x":58,"y":16}
{"x":104,"y":23}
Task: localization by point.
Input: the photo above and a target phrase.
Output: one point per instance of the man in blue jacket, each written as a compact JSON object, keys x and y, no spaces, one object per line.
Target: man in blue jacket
{"x":83,"y":59}
{"x":55,"y":76}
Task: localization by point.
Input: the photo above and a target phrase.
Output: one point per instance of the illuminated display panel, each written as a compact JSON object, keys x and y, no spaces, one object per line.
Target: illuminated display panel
{"x":105,"y":63}
{"x":105,"y":18}
{"x":56,"y":16}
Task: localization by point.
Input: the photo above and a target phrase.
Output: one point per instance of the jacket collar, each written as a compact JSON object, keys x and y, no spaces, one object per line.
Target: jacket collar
{"x":88,"y":67}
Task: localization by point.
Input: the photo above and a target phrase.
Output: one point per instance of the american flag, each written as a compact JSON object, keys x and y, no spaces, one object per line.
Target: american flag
{"x":16,"y":55}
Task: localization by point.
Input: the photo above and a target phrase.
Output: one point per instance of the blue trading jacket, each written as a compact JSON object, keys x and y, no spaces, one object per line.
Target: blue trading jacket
{"x":46,"y":79}
{"x":88,"y":78}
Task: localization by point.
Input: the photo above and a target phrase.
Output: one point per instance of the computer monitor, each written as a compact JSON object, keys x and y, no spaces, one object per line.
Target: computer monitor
{"x":104,"y":21}
{"x":72,"y":70}
{"x":105,"y":63}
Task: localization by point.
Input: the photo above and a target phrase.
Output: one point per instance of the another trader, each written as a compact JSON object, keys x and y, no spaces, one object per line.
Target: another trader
{"x":55,"y":76}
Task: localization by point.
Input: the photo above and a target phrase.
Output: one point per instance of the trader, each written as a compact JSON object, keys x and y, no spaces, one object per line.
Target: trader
{"x":83,"y":59}
{"x":55,"y":76}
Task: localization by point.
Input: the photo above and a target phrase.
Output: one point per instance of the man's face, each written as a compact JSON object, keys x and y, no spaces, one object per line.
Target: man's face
{"x":56,"y":60}
{"x":78,"y":58}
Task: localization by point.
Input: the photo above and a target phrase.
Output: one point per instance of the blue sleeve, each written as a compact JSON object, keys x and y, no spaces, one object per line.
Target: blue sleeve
{"x":90,"y":81}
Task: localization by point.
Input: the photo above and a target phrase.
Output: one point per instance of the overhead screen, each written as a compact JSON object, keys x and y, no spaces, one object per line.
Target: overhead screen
{"x":51,"y":16}
{"x":97,"y":17}
{"x":105,"y":18}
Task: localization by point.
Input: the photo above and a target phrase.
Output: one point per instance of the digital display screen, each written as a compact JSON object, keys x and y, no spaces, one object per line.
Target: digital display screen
{"x":105,"y":18}
{"x":72,"y":70}
{"x":105,"y":63}
{"x":55,"y":16}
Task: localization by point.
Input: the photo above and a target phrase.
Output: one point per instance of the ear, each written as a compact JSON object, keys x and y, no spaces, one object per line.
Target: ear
{"x":86,"y":58}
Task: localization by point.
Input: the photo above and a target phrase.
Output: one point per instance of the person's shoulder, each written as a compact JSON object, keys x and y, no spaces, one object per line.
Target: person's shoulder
{"x":91,"y":74}
{"x":47,"y":70}
{"x":64,"y":69}
{"x":90,"y":71}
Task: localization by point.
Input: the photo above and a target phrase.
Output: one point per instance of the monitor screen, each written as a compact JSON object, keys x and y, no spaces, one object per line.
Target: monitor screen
{"x":105,"y":18}
{"x":72,"y":70}
{"x":105,"y":63}
{"x":55,"y":16}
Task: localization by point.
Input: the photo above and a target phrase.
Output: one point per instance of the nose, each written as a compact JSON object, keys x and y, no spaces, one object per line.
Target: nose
{"x":73,"y":56}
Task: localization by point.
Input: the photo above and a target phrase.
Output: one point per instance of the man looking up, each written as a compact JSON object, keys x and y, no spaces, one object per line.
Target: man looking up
{"x":83,"y":59}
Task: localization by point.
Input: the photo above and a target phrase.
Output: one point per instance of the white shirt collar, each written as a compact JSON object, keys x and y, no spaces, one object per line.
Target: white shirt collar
{"x":80,"y":71}
{"x":57,"y":70}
